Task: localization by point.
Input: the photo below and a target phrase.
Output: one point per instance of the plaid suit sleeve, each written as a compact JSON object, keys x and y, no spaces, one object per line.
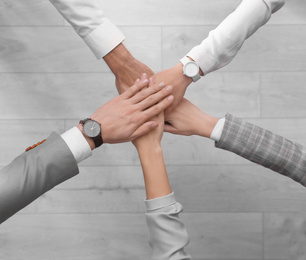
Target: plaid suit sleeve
{"x":264,"y":148}
{"x":33,"y":173}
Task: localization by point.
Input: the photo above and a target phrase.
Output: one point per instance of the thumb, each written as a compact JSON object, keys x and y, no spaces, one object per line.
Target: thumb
{"x":170,"y":129}
{"x":144,"y":129}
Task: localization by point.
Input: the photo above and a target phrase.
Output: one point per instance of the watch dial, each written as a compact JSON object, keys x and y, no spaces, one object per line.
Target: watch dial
{"x":191,"y":69}
{"x":92,"y":128}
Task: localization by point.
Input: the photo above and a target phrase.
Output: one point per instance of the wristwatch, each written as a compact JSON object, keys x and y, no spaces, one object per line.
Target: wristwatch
{"x":92,"y":129}
{"x":191,"y":69}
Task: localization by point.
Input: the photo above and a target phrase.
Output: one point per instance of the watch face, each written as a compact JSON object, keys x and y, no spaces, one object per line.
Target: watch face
{"x":191,"y":69}
{"x":92,"y":128}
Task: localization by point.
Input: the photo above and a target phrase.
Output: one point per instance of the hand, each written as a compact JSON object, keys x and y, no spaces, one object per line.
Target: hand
{"x":125,"y":67}
{"x":125,"y":117}
{"x":152,"y":140}
{"x":187,"y":119}
{"x":174,"y":77}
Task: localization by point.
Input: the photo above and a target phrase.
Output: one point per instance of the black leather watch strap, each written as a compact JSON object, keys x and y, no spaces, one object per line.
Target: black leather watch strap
{"x":98,"y":141}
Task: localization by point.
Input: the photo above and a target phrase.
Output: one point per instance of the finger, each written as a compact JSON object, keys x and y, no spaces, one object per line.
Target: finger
{"x":170,"y":129}
{"x":144,"y":129}
{"x":138,"y":85}
{"x":146,"y":92}
{"x":156,"y":109}
{"x":155,"y":98}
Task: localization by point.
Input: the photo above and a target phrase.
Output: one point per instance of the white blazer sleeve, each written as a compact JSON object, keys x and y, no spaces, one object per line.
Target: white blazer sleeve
{"x":223,"y":43}
{"x":89,"y":21}
{"x":167,"y":233}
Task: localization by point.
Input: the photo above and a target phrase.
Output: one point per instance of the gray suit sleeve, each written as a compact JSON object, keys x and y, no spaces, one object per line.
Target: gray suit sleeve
{"x":167,"y":233}
{"x":264,"y":148}
{"x":33,"y":173}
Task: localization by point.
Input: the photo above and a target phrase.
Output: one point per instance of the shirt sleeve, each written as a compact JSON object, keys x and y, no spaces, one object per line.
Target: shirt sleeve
{"x":217,"y":131}
{"x":167,"y":233}
{"x":223,"y":43}
{"x":77,"y":144}
{"x":89,"y":21}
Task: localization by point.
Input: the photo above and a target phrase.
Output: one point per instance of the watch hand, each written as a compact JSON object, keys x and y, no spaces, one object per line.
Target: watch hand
{"x":93,"y":126}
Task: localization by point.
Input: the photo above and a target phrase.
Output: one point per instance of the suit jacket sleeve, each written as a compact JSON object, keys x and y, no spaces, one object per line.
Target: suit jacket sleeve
{"x":264,"y":148}
{"x":89,"y":21}
{"x":33,"y":173}
{"x":167,"y":233}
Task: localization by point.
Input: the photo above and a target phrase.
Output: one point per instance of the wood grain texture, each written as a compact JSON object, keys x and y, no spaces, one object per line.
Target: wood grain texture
{"x":285,"y":235}
{"x":228,"y":236}
{"x":29,"y":13}
{"x":218,"y":93}
{"x":282,"y":98}
{"x":54,"y":95}
{"x":271,"y":48}
{"x":75,"y":236}
{"x":53,"y":49}
{"x":124,"y":236}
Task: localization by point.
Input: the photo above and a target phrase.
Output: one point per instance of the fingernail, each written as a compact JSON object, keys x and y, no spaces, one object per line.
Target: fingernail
{"x":154,"y":125}
{"x":151,"y":80}
{"x":145,"y":81}
{"x":137,"y":80}
{"x":144,"y":75}
{"x":162,"y":84}
{"x":169,"y":88}
{"x":170,"y":98}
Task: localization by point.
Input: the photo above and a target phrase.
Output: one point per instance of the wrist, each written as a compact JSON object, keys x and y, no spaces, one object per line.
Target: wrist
{"x":88,"y":139}
{"x":184,"y":80}
{"x":149,"y":150}
{"x":118,"y":58}
{"x":208,"y":124}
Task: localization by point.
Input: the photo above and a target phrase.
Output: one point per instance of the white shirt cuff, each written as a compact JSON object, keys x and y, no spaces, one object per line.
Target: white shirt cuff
{"x":77,"y":144}
{"x":160,"y":202}
{"x":104,"y":38}
{"x":217,"y":131}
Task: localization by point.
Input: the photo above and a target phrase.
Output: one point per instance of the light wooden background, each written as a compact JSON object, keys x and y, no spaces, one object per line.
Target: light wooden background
{"x":232,"y":209}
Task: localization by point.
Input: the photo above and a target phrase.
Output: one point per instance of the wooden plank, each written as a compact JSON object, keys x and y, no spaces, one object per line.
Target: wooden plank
{"x":235,"y":189}
{"x":272,"y":48}
{"x":237,"y":93}
{"x":54,"y":49}
{"x":225,"y":235}
{"x":292,"y":13}
{"x":17,"y":135}
{"x":105,"y":178}
{"x":29,"y":13}
{"x":76,"y":236}
{"x":124,"y":236}
{"x":284,"y":235}
{"x":171,"y":12}
{"x":54,"y":95}
{"x":283,"y":94}
{"x":91,"y":201}
{"x":193,"y":12}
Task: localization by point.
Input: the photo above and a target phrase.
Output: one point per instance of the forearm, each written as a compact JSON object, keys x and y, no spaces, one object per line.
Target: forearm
{"x":167,"y":233}
{"x":154,"y":172}
{"x":264,"y":148}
